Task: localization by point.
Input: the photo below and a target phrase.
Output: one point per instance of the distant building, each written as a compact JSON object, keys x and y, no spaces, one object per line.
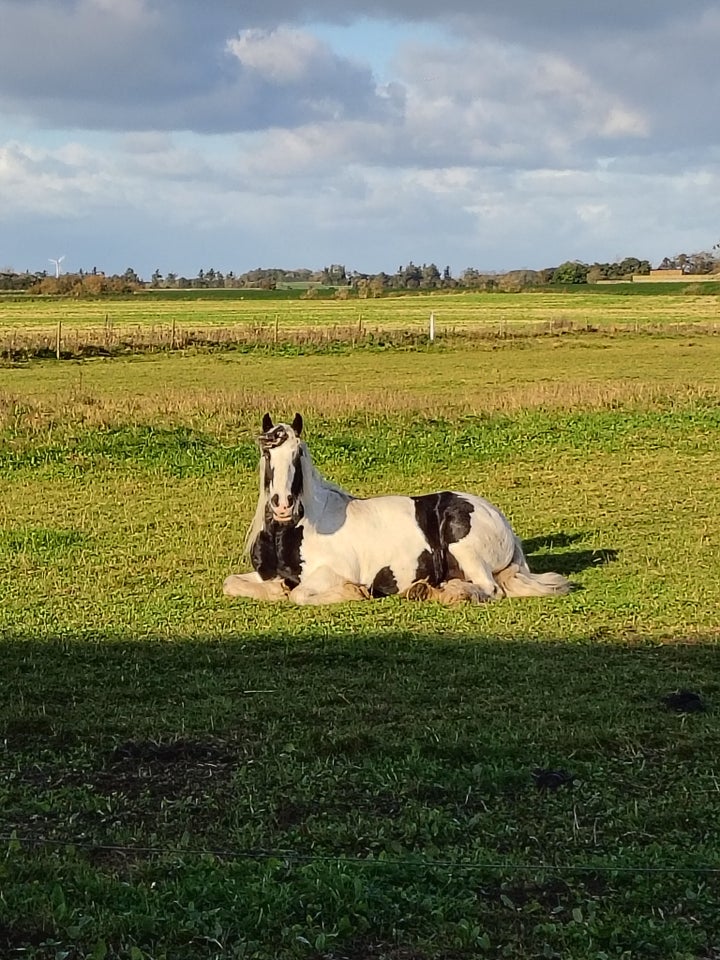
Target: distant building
{"x":673,"y":276}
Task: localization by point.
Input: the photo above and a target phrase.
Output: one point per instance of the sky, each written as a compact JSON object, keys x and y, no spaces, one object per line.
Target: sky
{"x":495,"y":134}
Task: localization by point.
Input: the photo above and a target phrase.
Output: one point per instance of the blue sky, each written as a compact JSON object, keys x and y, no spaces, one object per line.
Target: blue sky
{"x":179,"y":135}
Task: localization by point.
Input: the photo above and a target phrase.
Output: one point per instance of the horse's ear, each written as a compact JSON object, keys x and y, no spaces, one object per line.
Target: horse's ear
{"x":297,"y":424}
{"x":267,"y":423}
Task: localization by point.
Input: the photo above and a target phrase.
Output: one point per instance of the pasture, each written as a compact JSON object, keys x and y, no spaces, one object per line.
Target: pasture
{"x":188,"y":777}
{"x":166,"y":319}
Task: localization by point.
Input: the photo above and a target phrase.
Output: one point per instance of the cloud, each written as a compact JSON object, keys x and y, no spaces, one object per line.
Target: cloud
{"x":151,"y":201}
{"x":99,"y":64}
{"x":179,"y":65}
{"x":564,"y":129}
{"x":282,"y":57}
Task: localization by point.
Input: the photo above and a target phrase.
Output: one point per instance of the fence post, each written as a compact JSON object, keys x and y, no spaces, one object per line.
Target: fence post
{"x":432,"y":327}
{"x":58,"y":339}
{"x":172,"y":335}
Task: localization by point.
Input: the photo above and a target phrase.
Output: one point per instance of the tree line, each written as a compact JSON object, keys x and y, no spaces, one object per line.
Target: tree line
{"x":407,"y":277}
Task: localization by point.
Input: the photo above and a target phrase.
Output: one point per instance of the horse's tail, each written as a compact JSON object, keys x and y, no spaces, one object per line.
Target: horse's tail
{"x":516,"y":580}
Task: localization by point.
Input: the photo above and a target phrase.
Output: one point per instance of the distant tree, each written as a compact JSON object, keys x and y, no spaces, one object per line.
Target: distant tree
{"x":516,"y":280}
{"x":629,"y":266}
{"x":572,"y":271}
{"x":430,"y":276}
{"x":96,"y":285}
{"x":377,"y":285}
{"x":156,"y":278}
{"x":703,"y":262}
{"x":334,"y":276}
{"x":11,"y":280}
{"x":411,"y":276}
{"x":475,"y":280}
{"x":596,"y":272}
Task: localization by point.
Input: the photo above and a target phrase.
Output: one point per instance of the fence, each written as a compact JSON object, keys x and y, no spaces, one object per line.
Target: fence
{"x":62,"y":342}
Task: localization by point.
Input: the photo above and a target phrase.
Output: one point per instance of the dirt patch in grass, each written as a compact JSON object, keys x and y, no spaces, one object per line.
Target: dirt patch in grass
{"x":144,"y":767}
{"x":366,"y":949}
{"x":139,"y":783}
{"x":15,"y":940}
{"x":167,"y":770}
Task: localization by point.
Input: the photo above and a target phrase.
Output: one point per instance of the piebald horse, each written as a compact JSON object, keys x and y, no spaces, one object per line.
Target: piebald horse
{"x":313,"y":543}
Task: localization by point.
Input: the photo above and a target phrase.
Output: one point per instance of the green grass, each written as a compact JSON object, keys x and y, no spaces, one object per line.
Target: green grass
{"x":452,"y":311}
{"x":578,"y":372}
{"x":185,"y":777}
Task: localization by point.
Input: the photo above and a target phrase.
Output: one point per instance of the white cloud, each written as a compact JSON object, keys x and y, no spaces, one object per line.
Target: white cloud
{"x":282,"y":56}
{"x":519,"y":131}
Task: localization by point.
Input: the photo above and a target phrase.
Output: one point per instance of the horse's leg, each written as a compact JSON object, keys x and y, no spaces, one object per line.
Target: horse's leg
{"x":461,"y":591}
{"x":475,"y":567}
{"x":450,"y":592}
{"x":252,"y":585}
{"x":324,"y":586}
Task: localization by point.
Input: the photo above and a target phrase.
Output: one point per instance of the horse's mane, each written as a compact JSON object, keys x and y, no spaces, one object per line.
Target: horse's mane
{"x":315,"y":488}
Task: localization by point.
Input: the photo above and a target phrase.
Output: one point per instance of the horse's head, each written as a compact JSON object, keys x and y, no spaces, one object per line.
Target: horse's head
{"x":281,"y":469}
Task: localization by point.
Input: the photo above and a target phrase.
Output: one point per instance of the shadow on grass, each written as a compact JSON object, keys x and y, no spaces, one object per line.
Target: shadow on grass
{"x":382,"y":760}
{"x":564,"y":561}
{"x":110,"y":686}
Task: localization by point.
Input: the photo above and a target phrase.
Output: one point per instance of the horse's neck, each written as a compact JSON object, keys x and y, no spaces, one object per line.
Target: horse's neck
{"x":322,"y":496}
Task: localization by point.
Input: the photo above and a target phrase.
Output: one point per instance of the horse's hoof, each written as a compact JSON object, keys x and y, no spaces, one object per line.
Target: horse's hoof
{"x":420,"y":590}
{"x":356,"y":591}
{"x":460,"y":591}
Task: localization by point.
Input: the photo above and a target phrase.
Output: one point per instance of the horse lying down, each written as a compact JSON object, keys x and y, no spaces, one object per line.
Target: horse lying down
{"x":313,"y":543}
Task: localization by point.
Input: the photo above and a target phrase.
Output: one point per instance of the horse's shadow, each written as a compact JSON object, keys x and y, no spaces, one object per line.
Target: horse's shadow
{"x":566,"y":562}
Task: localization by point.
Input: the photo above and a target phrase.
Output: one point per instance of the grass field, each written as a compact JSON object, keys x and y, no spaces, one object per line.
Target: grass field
{"x":456,"y":311}
{"x":185,"y":777}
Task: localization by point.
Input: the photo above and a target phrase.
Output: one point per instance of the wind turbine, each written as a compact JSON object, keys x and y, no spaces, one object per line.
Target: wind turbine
{"x":57,"y":261}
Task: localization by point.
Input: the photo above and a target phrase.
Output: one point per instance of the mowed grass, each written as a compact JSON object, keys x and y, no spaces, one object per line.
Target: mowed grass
{"x":456,"y":311}
{"x":188,"y":777}
{"x":224,"y":391}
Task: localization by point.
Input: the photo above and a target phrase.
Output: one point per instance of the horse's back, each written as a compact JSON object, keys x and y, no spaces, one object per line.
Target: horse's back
{"x":389,"y":542}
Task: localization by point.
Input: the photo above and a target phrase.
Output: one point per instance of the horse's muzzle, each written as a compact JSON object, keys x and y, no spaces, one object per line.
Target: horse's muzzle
{"x":290,"y":515}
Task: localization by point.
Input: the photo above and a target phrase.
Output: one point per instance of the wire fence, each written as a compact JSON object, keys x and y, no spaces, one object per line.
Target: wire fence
{"x":64,"y":342}
{"x":290,"y":857}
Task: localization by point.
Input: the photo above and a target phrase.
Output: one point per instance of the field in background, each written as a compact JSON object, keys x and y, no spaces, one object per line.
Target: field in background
{"x":147,"y":321}
{"x":226,"y":390}
{"x":185,"y":777}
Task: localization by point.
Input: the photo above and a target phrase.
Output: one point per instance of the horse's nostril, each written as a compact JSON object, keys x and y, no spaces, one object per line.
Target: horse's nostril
{"x":291,"y":499}
{"x":275,"y":499}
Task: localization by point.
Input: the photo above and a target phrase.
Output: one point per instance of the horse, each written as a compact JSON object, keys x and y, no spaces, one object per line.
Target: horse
{"x":311,"y":542}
